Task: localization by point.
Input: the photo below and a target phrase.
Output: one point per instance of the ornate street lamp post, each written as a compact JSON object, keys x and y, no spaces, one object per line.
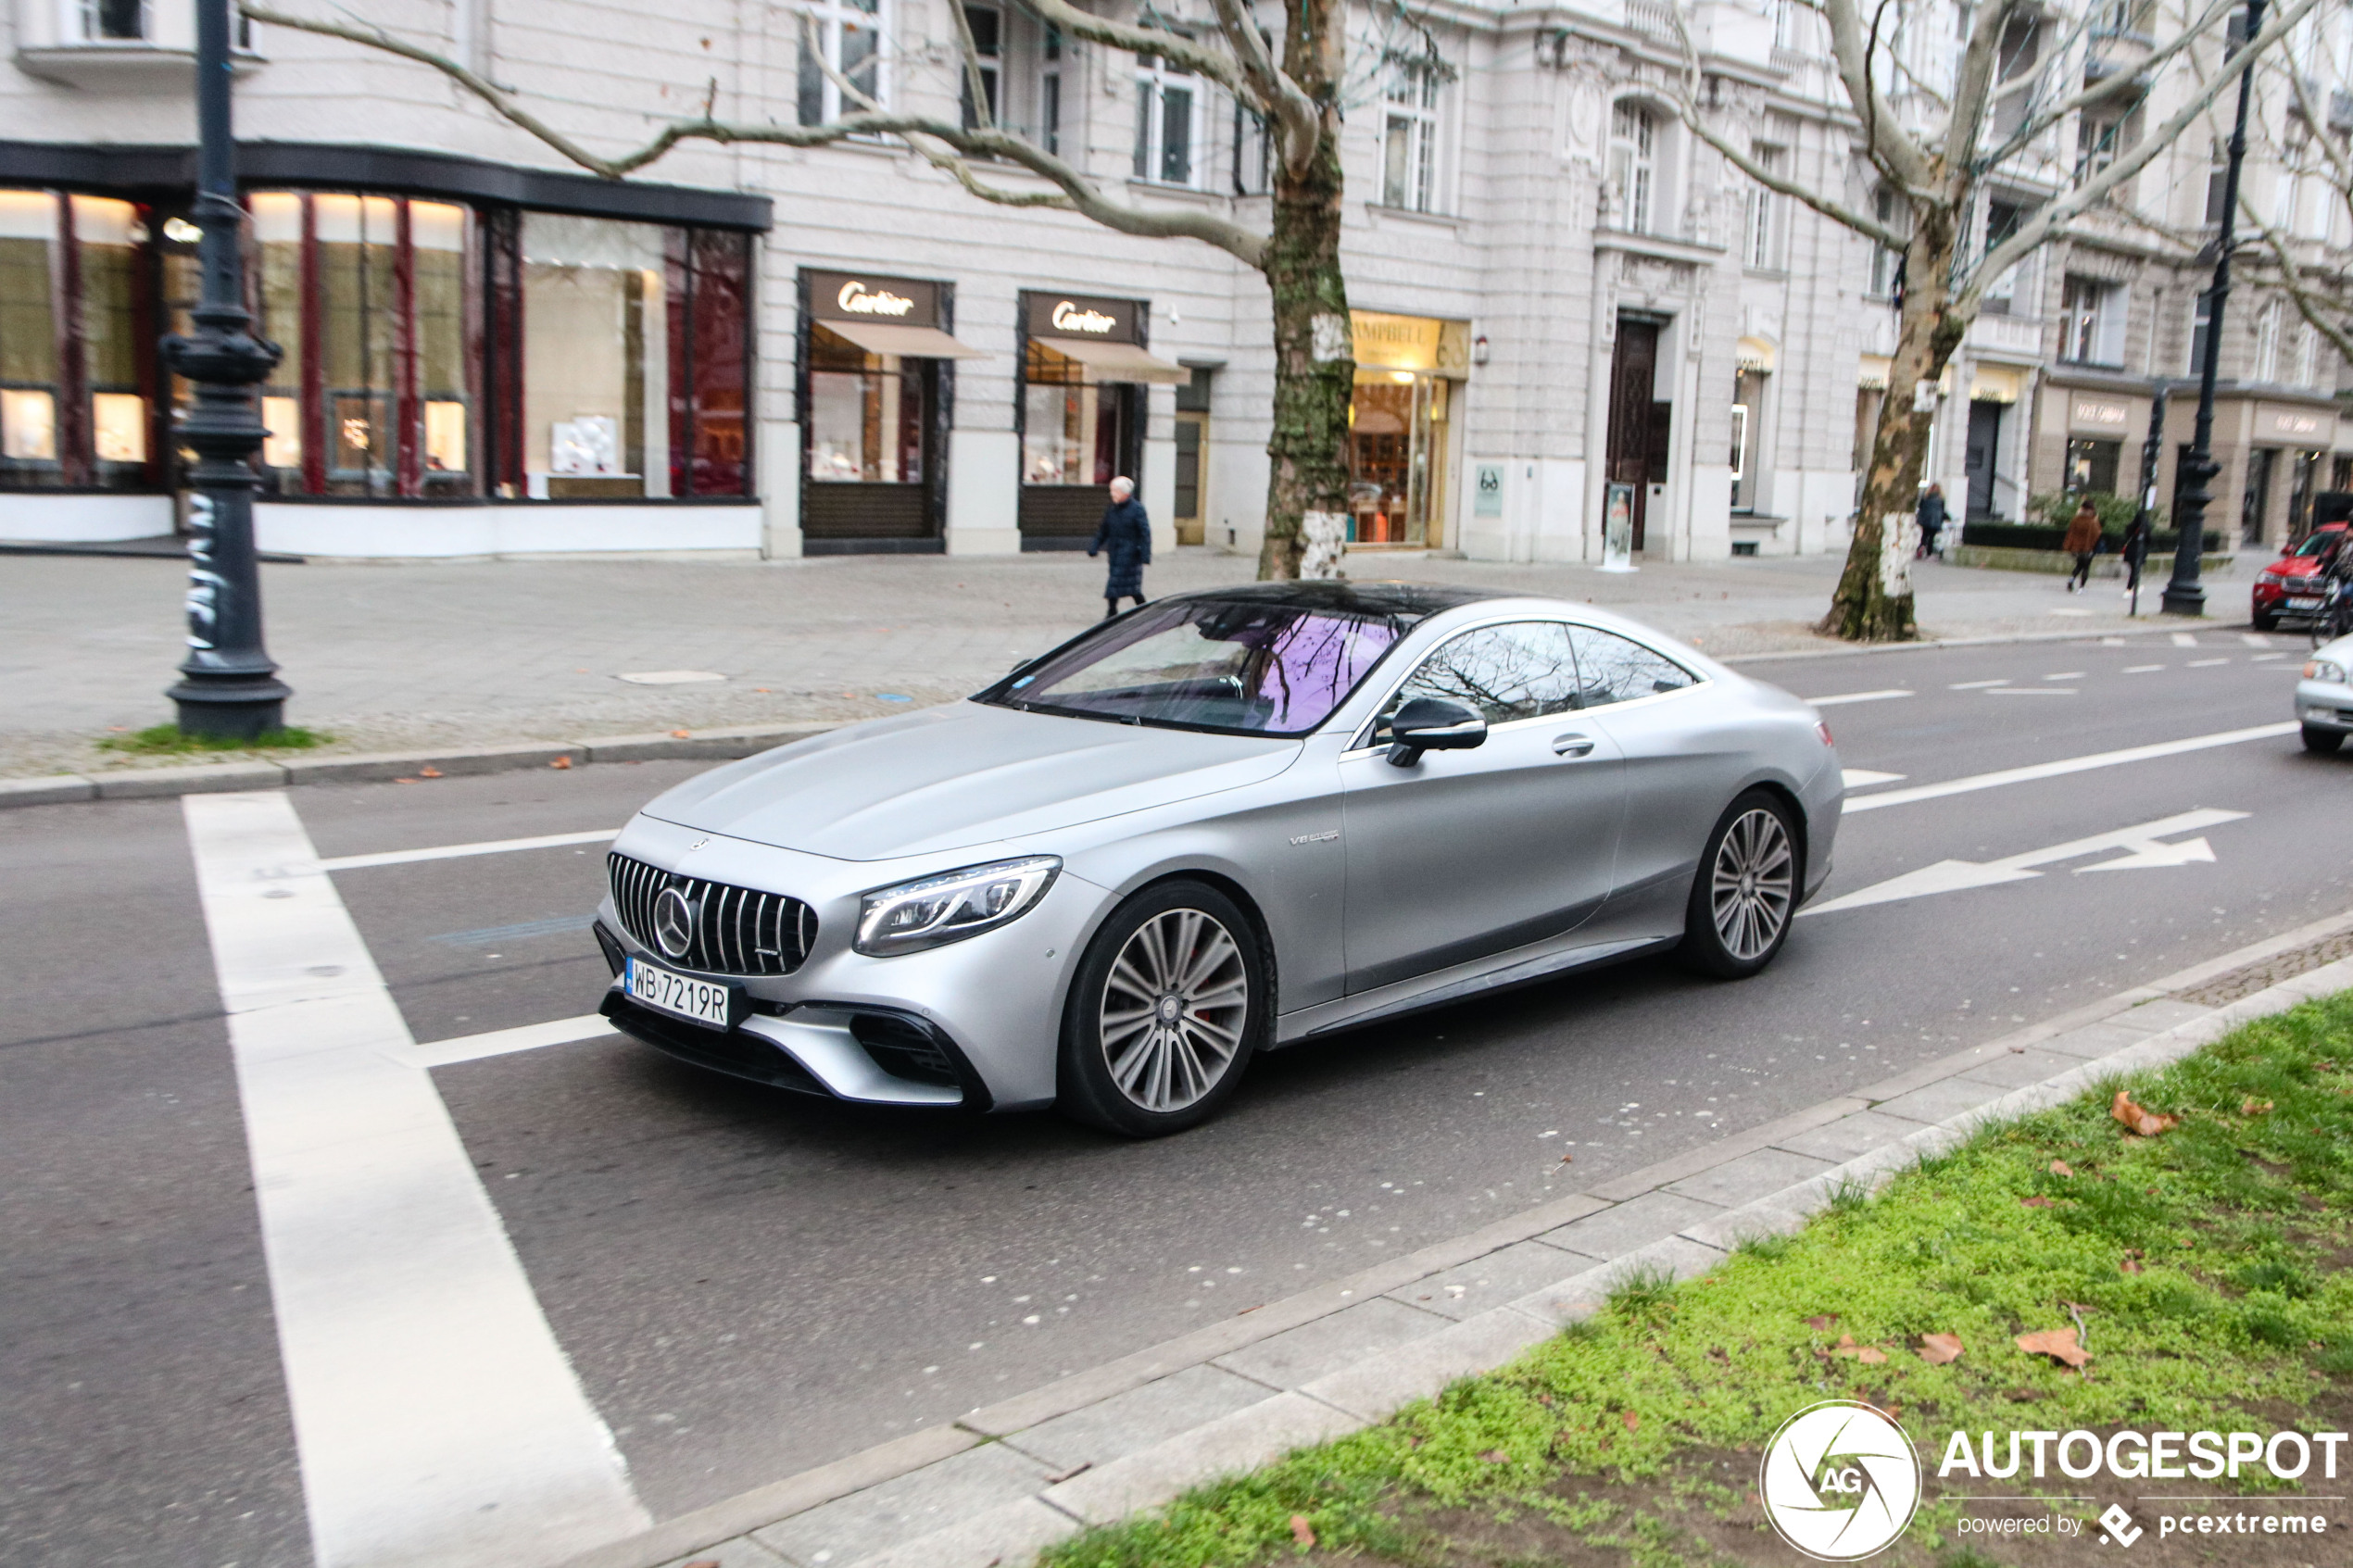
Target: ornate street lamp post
{"x":229,"y":686}
{"x":2183,"y":595}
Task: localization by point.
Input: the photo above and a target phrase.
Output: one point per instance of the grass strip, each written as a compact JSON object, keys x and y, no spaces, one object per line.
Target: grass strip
{"x":169,"y":740}
{"x":2204,"y":1265}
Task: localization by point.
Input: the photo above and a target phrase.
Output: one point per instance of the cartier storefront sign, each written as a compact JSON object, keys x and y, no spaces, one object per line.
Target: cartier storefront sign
{"x":863,"y":296}
{"x":1082,"y":317}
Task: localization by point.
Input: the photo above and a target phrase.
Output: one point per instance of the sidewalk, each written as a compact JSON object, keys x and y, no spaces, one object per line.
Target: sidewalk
{"x":444,"y":655}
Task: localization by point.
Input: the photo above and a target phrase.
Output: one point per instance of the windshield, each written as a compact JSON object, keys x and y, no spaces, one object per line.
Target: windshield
{"x":2320,"y":542}
{"x":1211,"y":664}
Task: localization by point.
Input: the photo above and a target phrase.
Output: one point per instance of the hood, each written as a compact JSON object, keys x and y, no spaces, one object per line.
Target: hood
{"x":959,"y":774}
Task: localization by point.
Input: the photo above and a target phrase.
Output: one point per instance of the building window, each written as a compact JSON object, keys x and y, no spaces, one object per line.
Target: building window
{"x":866,"y":413}
{"x":1168,"y":115}
{"x":2308,"y":356}
{"x":2090,"y":465}
{"x":2201,"y":319}
{"x":1633,"y":166}
{"x":1072,"y":432}
{"x":78,"y":324}
{"x":110,"y":21}
{"x":1253,"y":152}
{"x":2216,"y":178}
{"x":847,"y":35}
{"x":1887,"y":265}
{"x":2002,"y":219}
{"x":988,"y":29}
{"x":2267,"y":342}
{"x":1761,"y":247}
{"x":1050,"y":92}
{"x":1409,"y":140}
{"x":2098,"y":141}
{"x":2091,"y":322}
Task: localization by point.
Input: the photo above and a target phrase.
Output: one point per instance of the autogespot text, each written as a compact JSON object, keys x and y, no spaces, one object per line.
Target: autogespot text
{"x":2157,"y":1456}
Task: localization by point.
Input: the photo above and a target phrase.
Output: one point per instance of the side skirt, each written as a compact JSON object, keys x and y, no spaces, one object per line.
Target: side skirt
{"x":1456,"y":985}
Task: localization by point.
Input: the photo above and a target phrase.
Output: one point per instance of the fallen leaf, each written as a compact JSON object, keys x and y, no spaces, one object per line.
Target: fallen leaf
{"x":1823,"y":1322}
{"x":2128,"y":1266}
{"x":2056,"y":1343}
{"x":678,"y":734}
{"x":1301,"y":1531}
{"x":1845,"y":1346}
{"x":1871,"y":1355}
{"x":2140,"y":1120}
{"x":2061,"y":1168}
{"x":429,"y":771}
{"x":1496,"y":1456}
{"x":403,"y":781}
{"x":1568,"y":1159}
{"x":2253,"y":1107}
{"x":1938,"y":1348}
{"x":699,"y":1562}
{"x":2037,"y":1201}
{"x":1633,"y":1421}
{"x":761,"y":690}
{"x":560,"y":762}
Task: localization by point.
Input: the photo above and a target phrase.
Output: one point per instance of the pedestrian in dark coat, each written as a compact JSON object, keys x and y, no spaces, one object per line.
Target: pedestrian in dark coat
{"x":2135,"y":551}
{"x":1126,"y":534}
{"x":1931,"y":517}
{"x":2083,"y":541}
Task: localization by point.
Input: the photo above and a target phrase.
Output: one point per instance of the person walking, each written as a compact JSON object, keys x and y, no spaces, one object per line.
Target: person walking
{"x":2083,"y":541}
{"x":1931,"y":517}
{"x":1126,"y":534}
{"x":2135,"y":551}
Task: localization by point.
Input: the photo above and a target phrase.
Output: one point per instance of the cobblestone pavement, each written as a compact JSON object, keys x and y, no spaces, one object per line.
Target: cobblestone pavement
{"x":389,"y":658}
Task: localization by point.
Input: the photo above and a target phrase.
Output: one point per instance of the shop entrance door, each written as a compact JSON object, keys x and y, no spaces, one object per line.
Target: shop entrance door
{"x":2255,"y":501}
{"x":1192,"y":446}
{"x":1638,"y":423}
{"x":1983,"y":454}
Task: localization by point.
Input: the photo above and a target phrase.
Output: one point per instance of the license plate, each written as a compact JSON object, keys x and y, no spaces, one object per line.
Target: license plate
{"x":2303,"y":604}
{"x":705,"y":1002}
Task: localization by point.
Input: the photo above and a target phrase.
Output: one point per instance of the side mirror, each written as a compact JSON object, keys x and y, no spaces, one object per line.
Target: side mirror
{"x":1433,"y":724}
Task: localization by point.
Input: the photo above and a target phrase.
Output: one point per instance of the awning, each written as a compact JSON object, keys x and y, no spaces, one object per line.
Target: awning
{"x":912,"y":342}
{"x":1118,"y":361}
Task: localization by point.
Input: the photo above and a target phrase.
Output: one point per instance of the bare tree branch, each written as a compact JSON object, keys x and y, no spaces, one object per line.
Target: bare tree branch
{"x":1687,"y":105}
{"x":2054,"y":215}
{"x":2308,"y":304}
{"x":1081,"y":195}
{"x":2124,"y":83}
{"x":1298,"y":124}
{"x":975,"y":83}
{"x":1884,"y":139}
{"x":850,"y":91}
{"x":1173,"y":47}
{"x":1973,"y":85}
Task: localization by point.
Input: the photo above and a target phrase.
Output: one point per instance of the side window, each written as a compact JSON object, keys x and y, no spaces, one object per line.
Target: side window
{"x":1612,"y":669}
{"x":1522,"y":671}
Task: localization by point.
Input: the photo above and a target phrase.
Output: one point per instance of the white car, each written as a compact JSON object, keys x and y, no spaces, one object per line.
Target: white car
{"x":2324,"y":697}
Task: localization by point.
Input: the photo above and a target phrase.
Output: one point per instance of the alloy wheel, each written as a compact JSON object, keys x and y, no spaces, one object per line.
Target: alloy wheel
{"x":1749,"y":895}
{"x":1174,"y":1009}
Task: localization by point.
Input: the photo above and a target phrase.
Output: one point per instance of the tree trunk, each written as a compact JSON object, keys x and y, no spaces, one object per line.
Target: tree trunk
{"x":1314,"y":352}
{"x":1874,"y":599}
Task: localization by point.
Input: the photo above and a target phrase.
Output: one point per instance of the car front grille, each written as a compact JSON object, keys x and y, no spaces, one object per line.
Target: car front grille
{"x":733,"y":930}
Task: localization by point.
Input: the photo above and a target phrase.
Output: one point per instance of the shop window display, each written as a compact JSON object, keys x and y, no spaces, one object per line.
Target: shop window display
{"x":1072,"y":432}
{"x":76,"y":309}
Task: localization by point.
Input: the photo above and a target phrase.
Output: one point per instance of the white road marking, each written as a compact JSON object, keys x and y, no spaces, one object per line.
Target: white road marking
{"x":502,"y":1042}
{"x":1856,"y":696}
{"x":1977,"y":686}
{"x":2204,"y":663}
{"x":2030,"y":691}
{"x":457,"y":852}
{"x":2066,"y":765}
{"x":2066,"y":675}
{"x":2265,"y":657}
{"x":2142,"y":669}
{"x":2183,"y":640}
{"x":436,"y":1418}
{"x":1863,"y":778}
{"x":670,"y":677}
{"x":2251,"y":640}
{"x":1951,"y":876}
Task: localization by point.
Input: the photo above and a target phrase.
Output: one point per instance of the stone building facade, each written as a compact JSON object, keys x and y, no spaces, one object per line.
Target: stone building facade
{"x":1562,"y":295}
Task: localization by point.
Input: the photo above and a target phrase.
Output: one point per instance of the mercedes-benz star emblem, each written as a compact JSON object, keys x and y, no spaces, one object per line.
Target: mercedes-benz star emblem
{"x":673,"y":923}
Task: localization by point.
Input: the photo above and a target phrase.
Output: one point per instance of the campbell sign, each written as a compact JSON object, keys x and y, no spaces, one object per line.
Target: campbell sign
{"x":860,"y":296}
{"x":1077,"y":316}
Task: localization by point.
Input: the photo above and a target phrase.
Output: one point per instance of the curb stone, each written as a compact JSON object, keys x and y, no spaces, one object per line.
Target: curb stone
{"x":1649,"y":1221}
{"x":201,"y":778}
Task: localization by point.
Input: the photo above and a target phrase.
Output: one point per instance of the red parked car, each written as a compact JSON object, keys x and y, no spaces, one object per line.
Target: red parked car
{"x":2291,"y":586}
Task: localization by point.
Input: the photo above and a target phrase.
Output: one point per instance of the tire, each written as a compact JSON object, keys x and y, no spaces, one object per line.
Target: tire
{"x":2322,"y":742}
{"x":1170,"y":1003}
{"x":1745,"y":894}
{"x":2263,"y":622}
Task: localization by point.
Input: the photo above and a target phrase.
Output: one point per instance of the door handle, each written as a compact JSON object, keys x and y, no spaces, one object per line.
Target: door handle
{"x":1572,"y":744}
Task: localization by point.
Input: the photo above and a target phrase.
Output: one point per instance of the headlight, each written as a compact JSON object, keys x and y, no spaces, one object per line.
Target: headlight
{"x":952,"y":906}
{"x":2273,"y":578}
{"x":2322,"y":670}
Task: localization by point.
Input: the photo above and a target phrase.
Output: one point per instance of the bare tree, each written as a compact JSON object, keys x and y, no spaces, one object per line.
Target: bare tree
{"x":2297,"y":132}
{"x":1298,"y":99}
{"x":1931,"y":147}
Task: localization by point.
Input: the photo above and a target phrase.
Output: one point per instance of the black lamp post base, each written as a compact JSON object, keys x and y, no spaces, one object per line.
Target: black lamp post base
{"x":2185,"y":599}
{"x":232,"y":711}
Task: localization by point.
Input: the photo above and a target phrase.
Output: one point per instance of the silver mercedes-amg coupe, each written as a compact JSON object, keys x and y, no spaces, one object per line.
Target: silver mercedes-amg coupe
{"x":1221,"y":823}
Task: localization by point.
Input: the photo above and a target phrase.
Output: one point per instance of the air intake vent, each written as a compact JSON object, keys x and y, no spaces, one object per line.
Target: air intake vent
{"x":714,"y":929}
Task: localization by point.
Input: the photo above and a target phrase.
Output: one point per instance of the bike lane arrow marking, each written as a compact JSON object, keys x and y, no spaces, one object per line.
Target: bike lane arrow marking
{"x":2143,"y":845}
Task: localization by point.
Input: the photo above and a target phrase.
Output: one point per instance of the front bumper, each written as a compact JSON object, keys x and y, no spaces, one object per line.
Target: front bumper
{"x":977,"y":1024}
{"x":2324,"y":704}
